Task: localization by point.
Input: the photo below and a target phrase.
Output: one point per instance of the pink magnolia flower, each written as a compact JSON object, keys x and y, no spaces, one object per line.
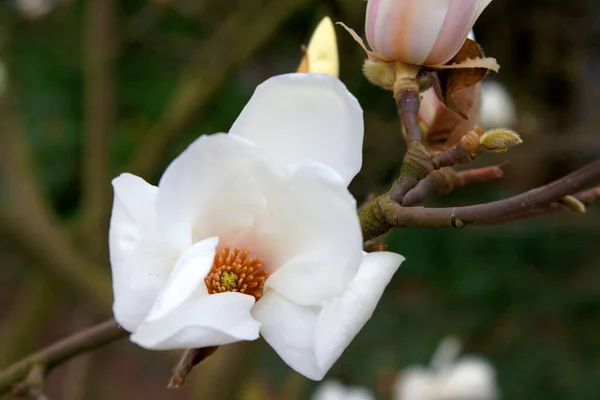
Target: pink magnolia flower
{"x":420,"y":32}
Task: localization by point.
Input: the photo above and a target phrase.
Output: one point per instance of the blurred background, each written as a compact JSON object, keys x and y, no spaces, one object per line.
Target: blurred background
{"x":90,"y":89}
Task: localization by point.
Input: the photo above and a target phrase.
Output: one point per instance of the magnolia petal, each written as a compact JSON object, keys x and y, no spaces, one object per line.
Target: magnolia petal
{"x":471,"y":378}
{"x":407,"y":30}
{"x":187,"y":277}
{"x":140,"y":259}
{"x":290,"y":330}
{"x":202,"y":321}
{"x":317,"y":244}
{"x":214,"y":188}
{"x":343,"y":317}
{"x":299,"y":117}
{"x":458,"y":22}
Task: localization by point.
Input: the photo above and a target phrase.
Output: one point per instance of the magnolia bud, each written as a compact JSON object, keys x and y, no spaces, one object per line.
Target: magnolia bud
{"x":499,"y":140}
{"x":422,"y":32}
{"x":322,"y":54}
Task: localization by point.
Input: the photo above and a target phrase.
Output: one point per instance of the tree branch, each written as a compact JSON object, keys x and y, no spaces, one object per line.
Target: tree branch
{"x":417,"y":163}
{"x":63,"y":350}
{"x":236,"y":40}
{"x":99,"y":52}
{"x":383,"y":213}
{"x":26,"y":218}
{"x":587,"y":197}
{"x":189,"y":359}
{"x":20,"y":328}
{"x":445,"y":180}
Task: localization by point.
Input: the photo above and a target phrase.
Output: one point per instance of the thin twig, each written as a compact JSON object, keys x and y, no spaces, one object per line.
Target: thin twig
{"x":383,"y":213}
{"x":587,"y":197}
{"x":417,"y":162}
{"x":445,"y":180}
{"x":99,"y":52}
{"x":20,"y":329}
{"x":61,"y":351}
{"x":229,"y":364}
{"x":189,"y":359}
{"x":32,"y":387}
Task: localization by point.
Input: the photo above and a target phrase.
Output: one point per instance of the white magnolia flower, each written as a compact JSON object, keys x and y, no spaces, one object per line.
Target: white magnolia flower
{"x":253,"y":232}
{"x":420,"y":32}
{"x":468,"y":378}
{"x":333,"y":390}
{"x":35,"y":8}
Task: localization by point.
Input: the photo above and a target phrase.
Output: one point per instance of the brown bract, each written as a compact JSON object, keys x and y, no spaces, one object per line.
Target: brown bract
{"x":468,"y":67}
{"x":448,"y":126}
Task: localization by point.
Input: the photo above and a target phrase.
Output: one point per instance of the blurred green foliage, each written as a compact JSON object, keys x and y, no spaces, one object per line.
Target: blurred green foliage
{"x":525,"y":295}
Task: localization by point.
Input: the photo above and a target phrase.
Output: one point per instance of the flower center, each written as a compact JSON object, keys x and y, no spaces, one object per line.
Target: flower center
{"x":234,"y":271}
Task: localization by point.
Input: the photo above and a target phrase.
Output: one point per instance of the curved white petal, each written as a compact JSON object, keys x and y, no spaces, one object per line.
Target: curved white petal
{"x":140,"y":259}
{"x":202,"y":321}
{"x":311,"y":230}
{"x":415,"y":383}
{"x":333,"y":390}
{"x":343,"y":317}
{"x":290,"y":330}
{"x":471,"y":378}
{"x":214,"y":188}
{"x":298,"y":117}
{"x":186,"y":278}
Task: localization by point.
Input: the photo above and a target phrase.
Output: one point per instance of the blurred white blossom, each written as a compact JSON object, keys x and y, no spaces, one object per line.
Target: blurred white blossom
{"x":497,"y":106}
{"x":333,"y":390}
{"x":448,"y":378}
{"x":33,"y":9}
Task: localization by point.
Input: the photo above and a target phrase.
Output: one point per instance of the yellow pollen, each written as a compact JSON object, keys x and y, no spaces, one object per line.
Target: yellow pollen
{"x":234,"y":271}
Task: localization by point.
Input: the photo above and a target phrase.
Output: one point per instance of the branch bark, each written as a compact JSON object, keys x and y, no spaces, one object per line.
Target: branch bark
{"x":445,"y":180}
{"x":61,"y":351}
{"x":189,"y":359}
{"x":383,"y":213}
{"x":587,"y":197}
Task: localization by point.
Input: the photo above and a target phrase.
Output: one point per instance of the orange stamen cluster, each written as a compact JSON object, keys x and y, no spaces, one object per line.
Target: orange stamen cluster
{"x":234,"y":271}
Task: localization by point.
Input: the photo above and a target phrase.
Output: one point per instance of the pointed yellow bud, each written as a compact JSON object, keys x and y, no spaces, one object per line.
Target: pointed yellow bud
{"x":572,"y":204}
{"x":322,"y":53}
{"x":499,"y":140}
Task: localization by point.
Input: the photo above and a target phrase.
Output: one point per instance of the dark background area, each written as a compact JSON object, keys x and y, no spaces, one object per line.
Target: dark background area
{"x":525,"y":295}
